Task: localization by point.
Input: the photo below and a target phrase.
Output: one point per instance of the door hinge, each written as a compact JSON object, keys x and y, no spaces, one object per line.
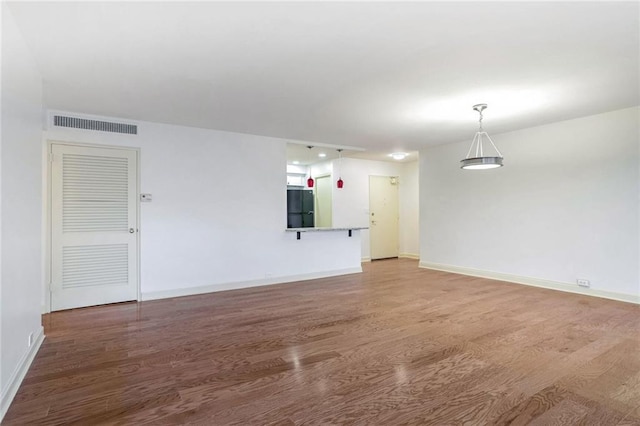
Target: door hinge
{"x":51,"y":157}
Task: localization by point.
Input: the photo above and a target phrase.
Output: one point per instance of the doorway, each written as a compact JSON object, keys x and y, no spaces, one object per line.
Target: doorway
{"x":383,"y":216}
{"x":94,"y":225}
{"x":323,"y":202}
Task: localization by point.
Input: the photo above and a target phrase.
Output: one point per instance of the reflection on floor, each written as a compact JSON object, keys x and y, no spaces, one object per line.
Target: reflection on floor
{"x":395,"y":344}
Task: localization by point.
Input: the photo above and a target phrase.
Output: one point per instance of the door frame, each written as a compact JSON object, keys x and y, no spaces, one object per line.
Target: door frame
{"x":315,"y":198}
{"x":48,"y":219}
{"x":398,"y":205}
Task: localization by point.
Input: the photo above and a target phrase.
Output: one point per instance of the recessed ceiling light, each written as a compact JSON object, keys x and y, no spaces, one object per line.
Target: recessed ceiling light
{"x":295,"y":162}
{"x":398,"y":155}
{"x":322,"y":155}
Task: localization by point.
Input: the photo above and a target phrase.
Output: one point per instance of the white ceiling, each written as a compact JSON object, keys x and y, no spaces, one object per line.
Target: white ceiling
{"x":382,"y":76}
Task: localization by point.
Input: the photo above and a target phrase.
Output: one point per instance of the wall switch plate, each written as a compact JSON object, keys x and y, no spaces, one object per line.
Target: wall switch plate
{"x":146,"y":198}
{"x":583,"y":283}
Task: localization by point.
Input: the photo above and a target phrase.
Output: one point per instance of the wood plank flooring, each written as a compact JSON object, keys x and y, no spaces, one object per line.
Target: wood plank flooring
{"x":393,"y":345}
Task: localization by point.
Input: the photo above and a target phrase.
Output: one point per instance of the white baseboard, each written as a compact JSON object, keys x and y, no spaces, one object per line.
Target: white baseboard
{"x":401,"y":255}
{"x":409,"y":256}
{"x":190,"y":291}
{"x":534,"y":282}
{"x":18,"y":374}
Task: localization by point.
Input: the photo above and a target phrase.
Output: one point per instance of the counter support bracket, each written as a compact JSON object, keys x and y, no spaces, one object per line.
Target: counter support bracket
{"x":300,"y":231}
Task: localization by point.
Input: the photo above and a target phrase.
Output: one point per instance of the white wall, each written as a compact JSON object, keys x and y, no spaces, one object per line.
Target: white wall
{"x":409,"y":210}
{"x":218,"y":215}
{"x":351,"y":203}
{"x":323,"y":168}
{"x":564,"y":206}
{"x":20,"y":198}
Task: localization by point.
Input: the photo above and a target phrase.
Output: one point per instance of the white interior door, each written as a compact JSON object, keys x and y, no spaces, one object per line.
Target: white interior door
{"x":383,"y":216}
{"x":323,"y":202}
{"x":93,"y":226}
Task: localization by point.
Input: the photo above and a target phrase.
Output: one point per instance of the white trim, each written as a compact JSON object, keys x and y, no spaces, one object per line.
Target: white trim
{"x":56,"y":141}
{"x":409,"y":256}
{"x":18,"y":374}
{"x":49,"y":142}
{"x":46,"y":228}
{"x":138,"y":223}
{"x":190,"y":291}
{"x":365,"y":259}
{"x":534,"y":282}
{"x":397,"y":203}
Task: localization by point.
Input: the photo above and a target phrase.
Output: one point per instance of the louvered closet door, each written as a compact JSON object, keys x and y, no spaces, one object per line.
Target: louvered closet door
{"x":94,"y":226}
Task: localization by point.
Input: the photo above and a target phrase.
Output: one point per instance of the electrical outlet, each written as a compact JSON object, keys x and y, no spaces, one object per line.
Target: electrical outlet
{"x":583,"y":283}
{"x":30,"y":339}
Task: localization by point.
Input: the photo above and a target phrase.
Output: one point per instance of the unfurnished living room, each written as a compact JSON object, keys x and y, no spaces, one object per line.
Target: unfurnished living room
{"x":369,"y":213}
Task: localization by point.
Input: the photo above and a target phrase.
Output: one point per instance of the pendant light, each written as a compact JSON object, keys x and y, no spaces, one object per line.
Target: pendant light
{"x":310,"y":180}
{"x":478,"y":160}
{"x":340,"y":182}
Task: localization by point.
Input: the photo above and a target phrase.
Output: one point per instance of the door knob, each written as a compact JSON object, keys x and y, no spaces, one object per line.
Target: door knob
{"x":131,"y":230}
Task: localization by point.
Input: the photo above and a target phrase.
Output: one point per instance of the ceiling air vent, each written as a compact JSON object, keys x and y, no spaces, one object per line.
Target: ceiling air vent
{"x":102,"y":126}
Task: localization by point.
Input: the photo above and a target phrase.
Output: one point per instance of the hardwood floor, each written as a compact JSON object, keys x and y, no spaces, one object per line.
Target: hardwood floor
{"x":393,"y":345}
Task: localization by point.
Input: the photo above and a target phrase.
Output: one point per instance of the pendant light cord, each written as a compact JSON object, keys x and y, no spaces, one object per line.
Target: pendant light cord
{"x":479,"y":152}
